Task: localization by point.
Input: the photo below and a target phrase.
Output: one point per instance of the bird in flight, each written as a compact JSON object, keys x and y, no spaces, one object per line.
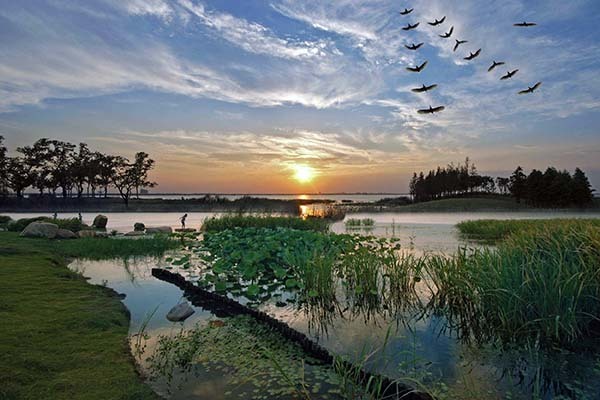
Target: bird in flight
{"x":406,"y":11}
{"x":473,"y":55}
{"x":418,"y":68}
{"x":509,"y":75}
{"x":409,"y":26}
{"x":413,"y":46}
{"x":437,"y":21}
{"x":459,"y":42}
{"x":495,"y":64}
{"x":431,"y":110}
{"x":525,"y":24}
{"x":424,"y":88}
{"x":531,"y":89}
{"x":448,"y":34}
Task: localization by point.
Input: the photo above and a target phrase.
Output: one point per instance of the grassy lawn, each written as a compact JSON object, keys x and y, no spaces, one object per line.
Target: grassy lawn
{"x":60,"y":338}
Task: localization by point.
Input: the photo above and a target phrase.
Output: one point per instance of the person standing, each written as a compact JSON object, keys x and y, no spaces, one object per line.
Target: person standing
{"x":182,"y":219}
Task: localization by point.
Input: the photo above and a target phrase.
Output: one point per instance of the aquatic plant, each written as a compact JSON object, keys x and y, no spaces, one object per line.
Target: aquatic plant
{"x":217,"y":224}
{"x":538,"y":285}
{"x":108,"y":248}
{"x":356,"y":223}
{"x":492,"y":230}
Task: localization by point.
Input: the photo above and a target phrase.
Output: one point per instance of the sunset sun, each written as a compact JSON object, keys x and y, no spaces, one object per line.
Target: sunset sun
{"x":303,"y":173}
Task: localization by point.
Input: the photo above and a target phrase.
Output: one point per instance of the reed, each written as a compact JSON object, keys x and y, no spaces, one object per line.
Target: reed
{"x":222,"y":223}
{"x":539,"y":284}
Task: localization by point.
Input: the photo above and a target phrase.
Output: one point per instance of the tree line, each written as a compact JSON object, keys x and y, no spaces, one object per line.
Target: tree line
{"x":552,"y":188}
{"x":64,"y":169}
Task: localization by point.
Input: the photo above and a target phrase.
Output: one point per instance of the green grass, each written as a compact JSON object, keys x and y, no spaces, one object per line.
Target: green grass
{"x":60,"y":338}
{"x":218,"y":224}
{"x":539,"y":285}
{"x":492,"y":230}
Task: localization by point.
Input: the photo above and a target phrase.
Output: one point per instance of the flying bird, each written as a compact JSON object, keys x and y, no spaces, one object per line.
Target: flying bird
{"x":531,"y":89}
{"x":418,"y":68}
{"x":437,"y":21}
{"x":473,"y":55}
{"x":409,"y":26}
{"x":509,"y":75}
{"x":431,"y":110}
{"x":525,"y":24}
{"x":413,"y":46}
{"x":424,"y":88}
{"x":495,"y":64}
{"x":459,"y":42}
{"x":448,"y":34}
{"x":406,"y":11}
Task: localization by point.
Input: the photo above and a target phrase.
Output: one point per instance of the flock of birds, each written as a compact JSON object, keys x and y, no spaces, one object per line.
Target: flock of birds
{"x":472,"y":55}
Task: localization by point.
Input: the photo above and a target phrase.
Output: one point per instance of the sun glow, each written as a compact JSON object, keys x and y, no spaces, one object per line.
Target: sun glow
{"x":303,"y":173}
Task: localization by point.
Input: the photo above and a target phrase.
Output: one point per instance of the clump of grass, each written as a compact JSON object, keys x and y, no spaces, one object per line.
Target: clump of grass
{"x":72,"y":224}
{"x":492,"y":230}
{"x":4,"y":221}
{"x":540,"y":285}
{"x":99,"y":249}
{"x":222,"y":223}
{"x":359,"y":223}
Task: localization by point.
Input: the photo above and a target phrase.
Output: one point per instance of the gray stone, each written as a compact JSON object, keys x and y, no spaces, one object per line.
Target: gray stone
{"x":100,"y":221}
{"x":139,"y":226}
{"x":86,"y":234}
{"x":101,"y":234}
{"x":159,"y":229}
{"x":40,"y":230}
{"x":180,"y":312}
{"x":65,"y":234}
{"x":135,"y":233}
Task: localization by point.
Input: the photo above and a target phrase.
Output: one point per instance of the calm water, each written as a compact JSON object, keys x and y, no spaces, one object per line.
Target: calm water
{"x":420,"y":343}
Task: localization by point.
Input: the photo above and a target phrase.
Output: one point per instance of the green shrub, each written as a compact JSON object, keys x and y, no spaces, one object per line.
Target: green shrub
{"x":218,"y":224}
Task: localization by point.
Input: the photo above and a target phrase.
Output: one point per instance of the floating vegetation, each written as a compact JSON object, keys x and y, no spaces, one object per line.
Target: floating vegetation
{"x":252,"y":355}
{"x":222,"y":223}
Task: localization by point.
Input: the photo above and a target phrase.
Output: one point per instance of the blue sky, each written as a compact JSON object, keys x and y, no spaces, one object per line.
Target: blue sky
{"x":229,"y":96}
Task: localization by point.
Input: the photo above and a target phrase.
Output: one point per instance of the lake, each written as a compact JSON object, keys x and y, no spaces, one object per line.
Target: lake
{"x":415,"y":342}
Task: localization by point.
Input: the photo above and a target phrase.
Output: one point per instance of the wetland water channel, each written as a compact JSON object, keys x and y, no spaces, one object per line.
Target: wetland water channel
{"x":410,"y":344}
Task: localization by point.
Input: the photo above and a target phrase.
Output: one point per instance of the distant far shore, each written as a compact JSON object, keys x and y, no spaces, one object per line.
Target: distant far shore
{"x":475,"y":203}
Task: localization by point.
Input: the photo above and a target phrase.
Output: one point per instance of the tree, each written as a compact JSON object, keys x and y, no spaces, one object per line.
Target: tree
{"x":517,"y":184}
{"x":502,"y":184}
{"x":19,"y":175}
{"x":80,"y":168}
{"x":140,"y":168}
{"x":3,"y":168}
{"x":581,"y":190}
{"x":107,"y":168}
{"x":124,"y":178}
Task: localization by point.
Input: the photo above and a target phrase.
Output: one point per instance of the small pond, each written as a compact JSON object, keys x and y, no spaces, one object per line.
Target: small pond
{"x":404,"y":346}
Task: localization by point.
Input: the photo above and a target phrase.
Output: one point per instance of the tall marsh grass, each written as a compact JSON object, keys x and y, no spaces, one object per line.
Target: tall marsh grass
{"x":492,"y":230}
{"x":539,"y":284}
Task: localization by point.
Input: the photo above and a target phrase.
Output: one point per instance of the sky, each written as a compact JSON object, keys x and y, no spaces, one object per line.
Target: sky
{"x":235,"y":96}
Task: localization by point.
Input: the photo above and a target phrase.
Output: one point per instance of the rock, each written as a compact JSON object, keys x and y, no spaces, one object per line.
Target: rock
{"x":65,"y":234}
{"x":135,"y":233}
{"x":159,"y":229}
{"x":86,"y":234}
{"x":100,"y":221}
{"x":180,"y":312}
{"x":40,"y":230}
{"x":102,"y":234}
{"x":139,"y":226}
{"x":185,"y":230}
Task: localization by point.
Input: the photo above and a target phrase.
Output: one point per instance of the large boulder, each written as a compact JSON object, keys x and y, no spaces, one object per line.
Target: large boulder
{"x":139,"y":227}
{"x":159,"y":229}
{"x":100,"y":221}
{"x":135,"y":233}
{"x":180,"y":312}
{"x":40,"y":230}
{"x":65,"y":234}
{"x":86,"y":234}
